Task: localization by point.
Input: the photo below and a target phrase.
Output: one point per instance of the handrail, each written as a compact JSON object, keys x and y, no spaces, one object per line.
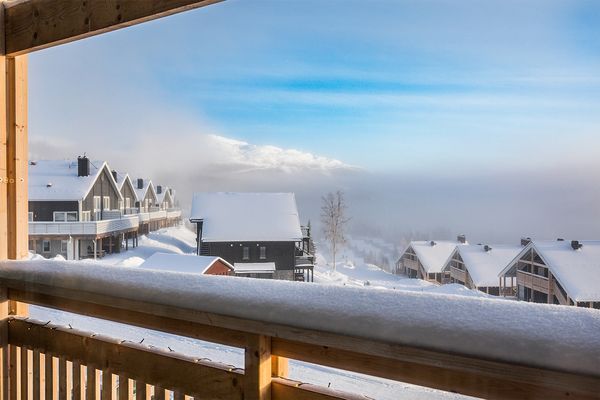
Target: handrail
{"x":381,"y":338}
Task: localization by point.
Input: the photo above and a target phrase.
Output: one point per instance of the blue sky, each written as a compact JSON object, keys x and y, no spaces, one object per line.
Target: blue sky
{"x":480,"y":117}
{"x":386,"y":85}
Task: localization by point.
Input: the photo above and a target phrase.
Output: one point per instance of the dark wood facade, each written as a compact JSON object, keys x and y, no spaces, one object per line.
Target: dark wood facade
{"x":281,"y":253}
{"x":44,"y":210}
{"x":103,"y":187}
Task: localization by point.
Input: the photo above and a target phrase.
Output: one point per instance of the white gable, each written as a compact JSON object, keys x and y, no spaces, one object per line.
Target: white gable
{"x":433,"y":257}
{"x":239,"y":217}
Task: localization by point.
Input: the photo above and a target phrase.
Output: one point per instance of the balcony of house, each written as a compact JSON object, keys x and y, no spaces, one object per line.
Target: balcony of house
{"x":533,"y":281}
{"x":120,"y":224}
{"x":458,"y":275}
{"x":462,"y":355}
{"x":173,"y":213}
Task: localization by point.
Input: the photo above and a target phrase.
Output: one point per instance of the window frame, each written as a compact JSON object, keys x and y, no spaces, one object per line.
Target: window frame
{"x":44,"y":246}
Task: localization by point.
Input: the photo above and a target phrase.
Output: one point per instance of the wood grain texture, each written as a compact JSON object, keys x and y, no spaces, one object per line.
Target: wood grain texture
{"x":37,"y":24}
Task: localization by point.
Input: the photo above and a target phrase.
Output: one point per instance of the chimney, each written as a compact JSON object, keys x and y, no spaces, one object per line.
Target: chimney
{"x":83,"y":166}
{"x":114,"y":174}
{"x":487,"y":248}
{"x":525,"y":241}
{"x":158,"y":189}
{"x":576,"y":245}
{"x":560,"y":239}
{"x":140,"y":184}
{"x":171,"y":191}
{"x":461,"y":239}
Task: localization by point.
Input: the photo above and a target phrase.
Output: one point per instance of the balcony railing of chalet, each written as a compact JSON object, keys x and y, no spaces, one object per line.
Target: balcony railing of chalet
{"x":459,"y":274}
{"x":409,"y":337}
{"x":412,"y":264}
{"x":83,"y":228}
{"x":173,"y":213}
{"x":536,"y":282}
{"x":157,"y":214}
{"x":144,"y":217}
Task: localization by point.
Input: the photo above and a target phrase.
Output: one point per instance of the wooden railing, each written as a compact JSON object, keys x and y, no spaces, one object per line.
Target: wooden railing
{"x":51,"y":228}
{"x":65,"y":363}
{"x":533,"y":281}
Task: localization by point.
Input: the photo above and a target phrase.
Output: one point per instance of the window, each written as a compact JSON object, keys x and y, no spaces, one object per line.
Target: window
{"x":127,"y":202}
{"x":263,"y":252}
{"x":46,"y":246}
{"x":30,"y":216}
{"x":65,"y":216}
{"x":86,"y":216}
{"x":106,"y":203}
{"x":63,"y":246}
{"x":96,"y":203}
{"x":120,"y":204}
{"x":245,"y":253}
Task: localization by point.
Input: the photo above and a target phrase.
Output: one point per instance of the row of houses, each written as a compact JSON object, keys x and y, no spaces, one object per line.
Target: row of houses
{"x":542,"y":271}
{"x":84,"y":209}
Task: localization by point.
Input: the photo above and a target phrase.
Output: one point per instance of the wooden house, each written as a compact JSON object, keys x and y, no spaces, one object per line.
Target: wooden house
{"x":185,"y":263}
{"x":125,"y":185}
{"x":557,"y":272}
{"x":250,"y":228}
{"x":478,"y":266}
{"x":425,"y":259}
{"x":145,"y":194}
{"x":74,"y":209}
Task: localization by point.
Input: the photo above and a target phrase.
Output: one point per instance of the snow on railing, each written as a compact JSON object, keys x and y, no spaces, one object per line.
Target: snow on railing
{"x":83,"y":228}
{"x":484,"y":347}
{"x":159,"y":214}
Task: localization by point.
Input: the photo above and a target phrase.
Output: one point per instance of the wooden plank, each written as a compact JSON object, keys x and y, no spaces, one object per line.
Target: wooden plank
{"x":17,"y":157}
{"x":14,"y":389}
{"x":50,"y":377}
{"x":284,"y":389}
{"x":78,"y":381}
{"x":124,"y":388}
{"x":3,"y":160}
{"x":159,"y":393}
{"x":62,"y":378}
{"x":257,"y":368}
{"x":24,"y":372}
{"x":107,"y":385}
{"x":37,"y":24}
{"x":141,"y":391}
{"x":4,"y":353}
{"x":169,"y":370}
{"x":92,"y":386}
{"x":279,"y":366}
{"x":470,"y":376}
{"x":36,"y":375}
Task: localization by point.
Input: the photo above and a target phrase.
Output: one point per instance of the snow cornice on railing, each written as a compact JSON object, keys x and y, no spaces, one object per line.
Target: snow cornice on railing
{"x":547,"y":336}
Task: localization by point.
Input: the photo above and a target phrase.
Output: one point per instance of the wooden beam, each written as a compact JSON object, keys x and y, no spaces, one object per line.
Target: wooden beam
{"x":257,"y":368}
{"x":38,"y":24}
{"x":169,"y":370}
{"x":285,"y":389}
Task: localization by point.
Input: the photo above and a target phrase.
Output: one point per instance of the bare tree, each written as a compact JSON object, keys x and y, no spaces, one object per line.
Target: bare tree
{"x":334,"y":220}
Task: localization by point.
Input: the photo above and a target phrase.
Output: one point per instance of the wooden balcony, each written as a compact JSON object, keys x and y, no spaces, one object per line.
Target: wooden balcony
{"x":73,"y":364}
{"x":535,"y":282}
{"x":458,"y":274}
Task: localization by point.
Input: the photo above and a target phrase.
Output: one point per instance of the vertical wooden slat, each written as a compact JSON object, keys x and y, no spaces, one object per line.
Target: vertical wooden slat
{"x":257,"y":368}
{"x":279,"y":366}
{"x":124,"y":388}
{"x":4,"y":353}
{"x":16,"y":156}
{"x":178,"y":395}
{"x":159,"y":393}
{"x":14,"y":389}
{"x":92,"y":389}
{"x":141,"y":391}
{"x":62,"y":378}
{"x":36,"y":375}
{"x":78,"y":382}
{"x":50,"y":377}
{"x":24,"y":373}
{"x":107,"y":385}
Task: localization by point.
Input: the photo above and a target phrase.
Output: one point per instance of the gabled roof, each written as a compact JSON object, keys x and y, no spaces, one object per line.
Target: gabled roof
{"x":56,"y":180}
{"x":433,"y":254}
{"x":141,"y":193}
{"x":578,"y":271}
{"x":239,"y":217}
{"x":122,"y":179}
{"x":184,"y":263}
{"x":484,"y":266}
{"x":160,"y":197}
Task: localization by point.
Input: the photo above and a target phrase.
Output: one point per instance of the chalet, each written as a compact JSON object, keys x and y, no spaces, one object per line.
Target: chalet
{"x":252,"y":228}
{"x":128,"y":192}
{"x":74,"y":209}
{"x":145,"y":194}
{"x":425,"y":259}
{"x":164,"y":198}
{"x":558,"y":272}
{"x":205,"y":265}
{"x":478,"y":266}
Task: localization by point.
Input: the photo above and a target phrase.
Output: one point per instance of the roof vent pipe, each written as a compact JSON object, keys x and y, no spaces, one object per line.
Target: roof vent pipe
{"x":461,"y":239}
{"x":432,"y":243}
{"x":114,"y":174}
{"x":487,"y":248}
{"x":576,"y":245}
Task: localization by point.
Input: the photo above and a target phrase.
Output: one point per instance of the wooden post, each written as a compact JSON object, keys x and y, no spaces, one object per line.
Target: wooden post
{"x":279,"y":367}
{"x":257,"y":370}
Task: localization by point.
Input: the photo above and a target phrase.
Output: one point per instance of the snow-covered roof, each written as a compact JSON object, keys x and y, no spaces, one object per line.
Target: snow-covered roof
{"x":186,"y":263}
{"x":239,"y":217}
{"x":160,"y":197}
{"x":56,"y":180}
{"x":121,"y":179}
{"x":484,"y":266}
{"x":141,"y":193}
{"x":254,"y":268}
{"x":433,"y":254}
{"x":544,"y":335}
{"x":578,"y":271}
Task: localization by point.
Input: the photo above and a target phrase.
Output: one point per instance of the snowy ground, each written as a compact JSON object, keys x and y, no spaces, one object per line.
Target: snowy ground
{"x":351,"y":270}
